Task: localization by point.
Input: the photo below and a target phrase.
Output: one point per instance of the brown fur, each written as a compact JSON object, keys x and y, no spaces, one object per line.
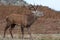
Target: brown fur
{"x":20,"y":19}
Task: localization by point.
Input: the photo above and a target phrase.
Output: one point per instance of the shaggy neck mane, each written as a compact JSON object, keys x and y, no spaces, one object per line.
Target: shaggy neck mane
{"x":31,"y":19}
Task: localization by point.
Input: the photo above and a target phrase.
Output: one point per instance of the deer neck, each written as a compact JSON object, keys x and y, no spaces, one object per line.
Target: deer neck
{"x":31,"y":19}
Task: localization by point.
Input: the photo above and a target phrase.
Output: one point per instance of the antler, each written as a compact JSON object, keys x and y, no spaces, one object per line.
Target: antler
{"x":31,"y":7}
{"x":36,"y":7}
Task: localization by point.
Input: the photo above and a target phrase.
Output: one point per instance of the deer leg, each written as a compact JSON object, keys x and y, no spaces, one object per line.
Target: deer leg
{"x":22,"y":30}
{"x":29,"y":32}
{"x":7,"y":26}
{"x":11,"y":28}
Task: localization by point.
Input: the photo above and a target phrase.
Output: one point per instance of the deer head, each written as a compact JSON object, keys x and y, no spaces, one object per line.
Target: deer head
{"x":35,"y":12}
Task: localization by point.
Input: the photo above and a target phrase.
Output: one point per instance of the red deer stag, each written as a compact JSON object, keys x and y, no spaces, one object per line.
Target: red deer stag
{"x":25,"y":21}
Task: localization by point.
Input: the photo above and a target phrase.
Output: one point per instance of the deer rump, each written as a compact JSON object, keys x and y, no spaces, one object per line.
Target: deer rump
{"x":20,"y":19}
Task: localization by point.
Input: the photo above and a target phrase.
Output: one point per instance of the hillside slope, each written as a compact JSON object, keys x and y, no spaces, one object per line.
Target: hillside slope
{"x":49,"y":23}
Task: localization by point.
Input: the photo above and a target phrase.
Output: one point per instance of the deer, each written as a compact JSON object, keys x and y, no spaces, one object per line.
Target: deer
{"x":25,"y":21}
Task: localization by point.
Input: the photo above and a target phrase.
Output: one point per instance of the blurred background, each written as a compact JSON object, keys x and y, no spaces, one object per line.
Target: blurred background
{"x":54,"y":4}
{"x":48,"y":24}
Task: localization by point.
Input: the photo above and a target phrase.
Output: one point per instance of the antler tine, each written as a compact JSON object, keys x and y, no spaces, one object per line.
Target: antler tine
{"x":31,"y":6}
{"x":37,"y":7}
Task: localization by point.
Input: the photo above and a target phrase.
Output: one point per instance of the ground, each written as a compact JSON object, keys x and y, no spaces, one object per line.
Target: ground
{"x":34,"y":36}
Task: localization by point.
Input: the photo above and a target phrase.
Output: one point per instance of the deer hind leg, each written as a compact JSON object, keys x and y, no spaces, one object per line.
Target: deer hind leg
{"x":22,"y":30}
{"x":6,"y":28}
{"x":11,"y":28}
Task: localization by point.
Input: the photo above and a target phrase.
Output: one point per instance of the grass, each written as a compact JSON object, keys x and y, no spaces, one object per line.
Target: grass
{"x":35,"y":37}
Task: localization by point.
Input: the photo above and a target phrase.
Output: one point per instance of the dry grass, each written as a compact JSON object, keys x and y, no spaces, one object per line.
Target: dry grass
{"x":35,"y":37}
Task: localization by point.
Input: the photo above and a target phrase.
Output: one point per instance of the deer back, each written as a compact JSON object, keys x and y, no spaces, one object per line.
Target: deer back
{"x":17,"y":19}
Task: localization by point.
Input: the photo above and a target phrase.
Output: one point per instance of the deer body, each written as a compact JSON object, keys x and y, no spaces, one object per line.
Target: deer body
{"x":21,"y":19}
{"x":17,"y":19}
